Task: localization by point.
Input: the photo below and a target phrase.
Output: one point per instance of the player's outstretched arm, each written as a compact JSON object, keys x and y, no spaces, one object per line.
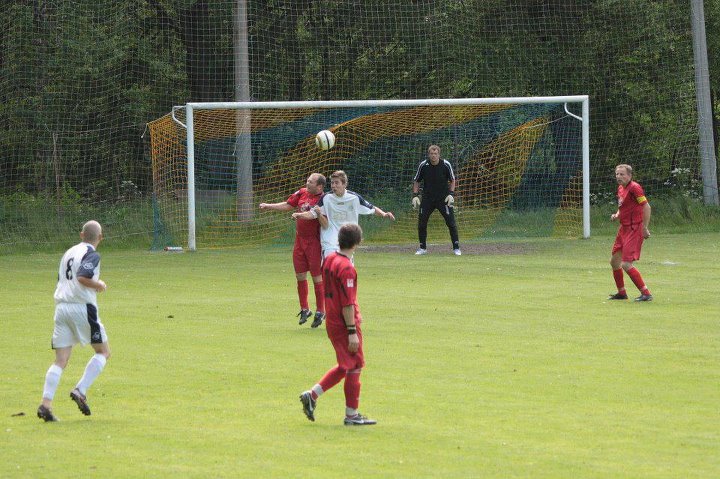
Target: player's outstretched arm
{"x":384,"y":214}
{"x":284,"y":206}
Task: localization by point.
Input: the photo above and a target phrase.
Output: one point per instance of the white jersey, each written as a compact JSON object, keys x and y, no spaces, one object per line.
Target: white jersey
{"x":340,"y":210}
{"x":80,"y":260}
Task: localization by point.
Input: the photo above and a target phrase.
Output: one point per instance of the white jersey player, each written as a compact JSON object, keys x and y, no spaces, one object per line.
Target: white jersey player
{"x":76,"y":319}
{"x":80,"y":261}
{"x":338,"y":208}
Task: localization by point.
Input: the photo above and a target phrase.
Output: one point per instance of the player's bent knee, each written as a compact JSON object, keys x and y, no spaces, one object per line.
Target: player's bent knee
{"x":103,"y":349}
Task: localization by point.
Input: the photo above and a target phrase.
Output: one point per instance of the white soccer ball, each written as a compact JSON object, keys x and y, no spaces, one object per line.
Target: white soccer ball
{"x":325,"y":140}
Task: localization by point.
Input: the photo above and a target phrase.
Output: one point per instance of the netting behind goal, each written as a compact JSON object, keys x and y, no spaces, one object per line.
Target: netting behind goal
{"x":79,"y":80}
{"x":518,"y":169}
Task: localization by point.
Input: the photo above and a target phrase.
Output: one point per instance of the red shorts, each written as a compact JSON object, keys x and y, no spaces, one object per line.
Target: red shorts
{"x":629,"y":240}
{"x":339,"y":338}
{"x":307,"y":256}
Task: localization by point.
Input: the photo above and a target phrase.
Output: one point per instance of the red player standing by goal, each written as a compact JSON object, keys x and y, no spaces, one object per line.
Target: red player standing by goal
{"x":634,"y":215}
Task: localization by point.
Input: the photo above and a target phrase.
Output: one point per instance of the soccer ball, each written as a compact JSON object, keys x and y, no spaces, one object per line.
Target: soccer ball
{"x":325,"y":140}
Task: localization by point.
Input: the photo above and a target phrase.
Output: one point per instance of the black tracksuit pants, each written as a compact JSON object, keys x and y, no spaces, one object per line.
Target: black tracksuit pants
{"x":427,"y":206}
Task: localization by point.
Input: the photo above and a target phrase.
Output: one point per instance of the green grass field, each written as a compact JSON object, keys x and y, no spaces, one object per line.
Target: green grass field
{"x":477,"y":366}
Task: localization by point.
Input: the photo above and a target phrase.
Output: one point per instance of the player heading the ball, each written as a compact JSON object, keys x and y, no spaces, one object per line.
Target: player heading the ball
{"x":340,"y":207}
{"x":307,"y":253}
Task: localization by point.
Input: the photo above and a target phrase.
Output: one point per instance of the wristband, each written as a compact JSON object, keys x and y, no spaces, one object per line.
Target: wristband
{"x":416,"y":194}
{"x":351,"y":330}
{"x":452,"y":193}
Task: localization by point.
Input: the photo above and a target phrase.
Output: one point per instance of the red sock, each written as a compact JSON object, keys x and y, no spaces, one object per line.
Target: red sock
{"x":302,"y":287}
{"x":352,"y":389}
{"x":637,"y":279}
{"x":319,"y":296}
{"x":331,"y":378}
{"x":619,"y":280}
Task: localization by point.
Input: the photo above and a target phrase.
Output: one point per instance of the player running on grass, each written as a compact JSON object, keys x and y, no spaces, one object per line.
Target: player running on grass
{"x":307,"y":253}
{"x":634,"y":215}
{"x":77,"y":319}
{"x":343,"y":329}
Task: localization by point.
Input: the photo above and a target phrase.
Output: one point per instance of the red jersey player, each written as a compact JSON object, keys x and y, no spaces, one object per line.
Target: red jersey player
{"x":307,"y":253}
{"x":634,"y":216}
{"x":343,"y":329}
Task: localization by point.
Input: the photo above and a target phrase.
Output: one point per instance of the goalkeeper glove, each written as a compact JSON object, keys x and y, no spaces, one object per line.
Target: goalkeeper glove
{"x":416,"y":201}
{"x":449,"y":200}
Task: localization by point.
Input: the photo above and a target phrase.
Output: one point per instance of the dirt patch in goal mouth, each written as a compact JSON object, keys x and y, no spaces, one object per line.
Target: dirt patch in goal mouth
{"x":445,"y":249}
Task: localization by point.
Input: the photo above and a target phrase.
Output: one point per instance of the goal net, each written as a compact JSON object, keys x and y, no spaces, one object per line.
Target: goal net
{"x":80,"y":79}
{"x":518,"y":164}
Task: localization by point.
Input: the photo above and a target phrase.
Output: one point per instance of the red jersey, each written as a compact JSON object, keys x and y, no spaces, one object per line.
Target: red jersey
{"x":631,"y":199}
{"x":340,"y":279}
{"x":304,"y":201}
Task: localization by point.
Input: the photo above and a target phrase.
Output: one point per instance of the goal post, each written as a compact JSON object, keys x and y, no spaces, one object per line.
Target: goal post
{"x":522,"y":165}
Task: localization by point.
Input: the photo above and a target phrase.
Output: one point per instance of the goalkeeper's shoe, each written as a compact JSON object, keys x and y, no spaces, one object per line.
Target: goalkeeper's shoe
{"x":644,"y":297}
{"x":81,"y":401}
{"x":308,"y":404}
{"x":618,"y":296}
{"x":421,"y":251}
{"x":359,"y":420}
{"x":319,"y":318}
{"x":304,"y":315}
{"x":46,"y":414}
{"x":457,"y":251}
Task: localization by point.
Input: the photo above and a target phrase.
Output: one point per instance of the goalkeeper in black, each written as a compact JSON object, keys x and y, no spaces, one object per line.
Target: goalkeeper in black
{"x":438,"y":191}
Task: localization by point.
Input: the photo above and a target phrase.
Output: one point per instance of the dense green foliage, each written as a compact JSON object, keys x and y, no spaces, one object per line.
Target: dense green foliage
{"x":80,"y":79}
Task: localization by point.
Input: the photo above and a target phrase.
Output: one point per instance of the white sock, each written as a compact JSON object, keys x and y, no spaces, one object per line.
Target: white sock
{"x":92,"y":371}
{"x":52,"y":379}
{"x":350,"y":412}
{"x":317,"y":389}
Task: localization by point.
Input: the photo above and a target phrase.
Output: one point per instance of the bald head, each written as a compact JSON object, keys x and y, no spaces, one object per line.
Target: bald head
{"x":91,"y":232}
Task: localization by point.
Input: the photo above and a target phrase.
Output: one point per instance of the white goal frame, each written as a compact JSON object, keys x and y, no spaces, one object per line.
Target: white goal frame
{"x":189,"y":108}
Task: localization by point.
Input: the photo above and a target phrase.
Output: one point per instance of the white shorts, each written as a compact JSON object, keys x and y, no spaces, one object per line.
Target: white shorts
{"x":77,"y":323}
